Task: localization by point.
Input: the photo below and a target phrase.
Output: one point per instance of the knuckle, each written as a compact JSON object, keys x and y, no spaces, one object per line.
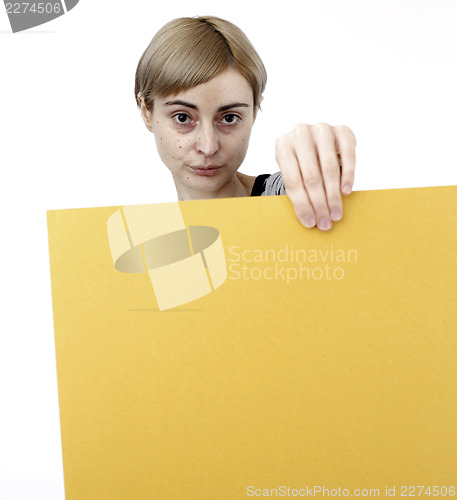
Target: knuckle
{"x":322,"y":213}
{"x":292,"y":184}
{"x":322,"y":127}
{"x":302,"y":209}
{"x":301,"y":129}
{"x":280,"y":141}
{"x":280,"y":145}
{"x":348,"y":178}
{"x":330,"y":167}
{"x":320,"y":204}
{"x":312,"y":180}
{"x":345,"y":131}
{"x":334,"y":201}
{"x":281,"y":148}
{"x":348,"y":153}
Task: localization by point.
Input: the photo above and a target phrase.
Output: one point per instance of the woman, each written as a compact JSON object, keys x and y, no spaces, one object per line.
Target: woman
{"x":199,"y":85}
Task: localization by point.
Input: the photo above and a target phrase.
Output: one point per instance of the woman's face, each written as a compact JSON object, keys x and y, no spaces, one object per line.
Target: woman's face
{"x":202,"y":134}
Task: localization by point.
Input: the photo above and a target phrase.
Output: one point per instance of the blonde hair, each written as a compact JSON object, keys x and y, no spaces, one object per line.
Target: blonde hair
{"x":189,"y":51}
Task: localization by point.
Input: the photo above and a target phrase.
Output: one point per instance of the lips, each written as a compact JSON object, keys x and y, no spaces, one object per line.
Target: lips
{"x":205,"y":170}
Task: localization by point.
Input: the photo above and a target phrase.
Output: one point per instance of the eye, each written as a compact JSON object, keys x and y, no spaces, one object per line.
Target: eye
{"x":182,"y":118}
{"x":230,"y":119}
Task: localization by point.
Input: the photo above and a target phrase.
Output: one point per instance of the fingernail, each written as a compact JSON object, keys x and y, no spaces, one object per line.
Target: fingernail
{"x":309,"y":221}
{"x":347,"y":189}
{"x":325,"y":224}
{"x":336,"y":214}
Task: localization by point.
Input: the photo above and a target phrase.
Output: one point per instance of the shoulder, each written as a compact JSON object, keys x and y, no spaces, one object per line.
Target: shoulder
{"x":247,"y":181}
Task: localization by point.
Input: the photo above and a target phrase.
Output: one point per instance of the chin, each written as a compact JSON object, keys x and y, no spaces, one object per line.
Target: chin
{"x":205,"y":185}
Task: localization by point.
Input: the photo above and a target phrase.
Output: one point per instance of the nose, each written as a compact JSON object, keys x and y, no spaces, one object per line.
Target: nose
{"x":207,"y":139}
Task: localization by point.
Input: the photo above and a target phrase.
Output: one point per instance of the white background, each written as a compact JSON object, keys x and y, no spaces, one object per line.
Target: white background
{"x":71,"y":136}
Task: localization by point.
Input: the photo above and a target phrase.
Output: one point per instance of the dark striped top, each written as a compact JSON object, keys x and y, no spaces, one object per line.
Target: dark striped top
{"x":268,"y":185}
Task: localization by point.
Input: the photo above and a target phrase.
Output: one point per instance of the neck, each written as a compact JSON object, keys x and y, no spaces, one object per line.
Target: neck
{"x":240,"y":185}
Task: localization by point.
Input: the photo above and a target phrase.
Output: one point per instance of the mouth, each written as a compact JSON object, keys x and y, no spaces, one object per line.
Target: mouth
{"x":205,"y":170}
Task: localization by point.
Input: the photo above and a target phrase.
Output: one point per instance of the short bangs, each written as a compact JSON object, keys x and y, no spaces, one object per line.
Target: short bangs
{"x":189,"y":51}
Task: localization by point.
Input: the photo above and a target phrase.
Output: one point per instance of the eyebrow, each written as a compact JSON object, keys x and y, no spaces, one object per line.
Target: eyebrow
{"x":193,"y":106}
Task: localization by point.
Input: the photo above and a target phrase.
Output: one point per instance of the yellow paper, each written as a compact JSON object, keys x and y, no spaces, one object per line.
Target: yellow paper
{"x":314,"y":359}
{"x":154,"y":239}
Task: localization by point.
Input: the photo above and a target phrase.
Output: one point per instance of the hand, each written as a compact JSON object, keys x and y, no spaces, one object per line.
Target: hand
{"x":317,"y":164}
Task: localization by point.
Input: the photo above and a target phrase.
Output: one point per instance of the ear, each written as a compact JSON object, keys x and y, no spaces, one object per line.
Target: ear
{"x":145,"y":114}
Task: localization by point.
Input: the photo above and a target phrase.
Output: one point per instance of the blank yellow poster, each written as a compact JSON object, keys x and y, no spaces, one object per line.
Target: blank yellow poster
{"x":320,"y":360}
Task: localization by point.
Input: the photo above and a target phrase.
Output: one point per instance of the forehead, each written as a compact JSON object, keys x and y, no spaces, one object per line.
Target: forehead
{"x":227,"y":87}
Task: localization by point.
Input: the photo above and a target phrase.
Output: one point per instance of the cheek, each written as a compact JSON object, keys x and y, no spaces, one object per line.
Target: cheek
{"x":239,"y":146}
{"x":170,"y":148}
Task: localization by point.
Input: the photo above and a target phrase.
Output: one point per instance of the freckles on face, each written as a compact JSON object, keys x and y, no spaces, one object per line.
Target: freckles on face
{"x":177,"y":152}
{"x":207,"y":125}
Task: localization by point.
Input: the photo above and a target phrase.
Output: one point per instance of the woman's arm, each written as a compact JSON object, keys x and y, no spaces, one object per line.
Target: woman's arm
{"x":317,"y":164}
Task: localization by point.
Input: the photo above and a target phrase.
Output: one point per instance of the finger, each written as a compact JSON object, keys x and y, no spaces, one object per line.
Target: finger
{"x":346,"y":142}
{"x":330,"y":168}
{"x":305,"y":150}
{"x":293,"y":183}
